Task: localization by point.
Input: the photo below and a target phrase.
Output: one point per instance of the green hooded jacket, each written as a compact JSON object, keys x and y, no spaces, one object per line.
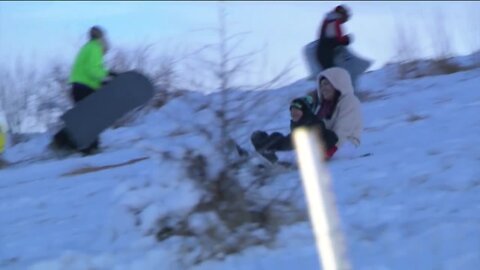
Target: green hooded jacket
{"x":88,"y":68}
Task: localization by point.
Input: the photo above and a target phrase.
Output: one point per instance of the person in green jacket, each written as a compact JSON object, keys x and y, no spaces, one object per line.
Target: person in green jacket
{"x":88,"y":73}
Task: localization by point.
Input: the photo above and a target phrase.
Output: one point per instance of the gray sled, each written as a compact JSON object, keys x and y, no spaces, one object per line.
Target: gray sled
{"x":344,"y":58}
{"x":97,"y":112}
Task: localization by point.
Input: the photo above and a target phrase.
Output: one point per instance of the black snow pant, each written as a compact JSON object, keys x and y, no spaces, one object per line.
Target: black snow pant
{"x":80,"y":91}
{"x":262,"y":141}
{"x":326,"y":53}
{"x":276,"y":141}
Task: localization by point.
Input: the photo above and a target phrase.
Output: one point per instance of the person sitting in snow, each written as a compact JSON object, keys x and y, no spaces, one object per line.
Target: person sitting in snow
{"x":332,"y":108}
{"x":86,"y":77}
{"x":331,"y":35}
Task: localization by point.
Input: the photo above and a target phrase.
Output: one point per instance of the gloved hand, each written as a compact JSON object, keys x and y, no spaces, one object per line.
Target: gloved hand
{"x":349,"y":38}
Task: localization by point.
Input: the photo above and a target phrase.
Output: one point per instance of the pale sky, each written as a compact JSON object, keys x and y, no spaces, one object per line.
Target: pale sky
{"x":42,"y":32}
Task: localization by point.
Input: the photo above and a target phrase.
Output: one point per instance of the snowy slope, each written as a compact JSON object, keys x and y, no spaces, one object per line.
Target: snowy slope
{"x":413,"y":204}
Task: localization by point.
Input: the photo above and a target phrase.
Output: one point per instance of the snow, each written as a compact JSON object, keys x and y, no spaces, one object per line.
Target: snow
{"x":413,"y":203}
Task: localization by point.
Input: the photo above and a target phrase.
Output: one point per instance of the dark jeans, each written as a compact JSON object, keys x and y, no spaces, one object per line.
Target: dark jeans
{"x":80,"y":91}
{"x":276,"y":141}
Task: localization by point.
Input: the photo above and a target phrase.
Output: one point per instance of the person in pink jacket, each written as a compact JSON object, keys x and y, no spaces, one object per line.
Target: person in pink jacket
{"x":331,"y":35}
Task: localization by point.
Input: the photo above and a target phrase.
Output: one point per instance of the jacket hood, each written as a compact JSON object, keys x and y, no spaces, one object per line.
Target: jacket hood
{"x":339,"y":78}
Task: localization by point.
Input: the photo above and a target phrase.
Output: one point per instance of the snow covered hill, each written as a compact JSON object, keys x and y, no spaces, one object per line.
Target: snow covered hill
{"x":413,"y":204}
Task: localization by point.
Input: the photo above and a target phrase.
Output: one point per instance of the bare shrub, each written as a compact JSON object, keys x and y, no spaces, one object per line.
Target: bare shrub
{"x":221,"y":64}
{"x":233,"y":213}
{"x":161,"y":69}
{"x":440,"y":37}
{"x":445,"y":66}
{"x":19,"y":92}
{"x":237,"y":215}
{"x":472,"y":29}
{"x":406,"y":47}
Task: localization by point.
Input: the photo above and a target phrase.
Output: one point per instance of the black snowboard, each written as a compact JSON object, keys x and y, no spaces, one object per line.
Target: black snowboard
{"x":97,"y":112}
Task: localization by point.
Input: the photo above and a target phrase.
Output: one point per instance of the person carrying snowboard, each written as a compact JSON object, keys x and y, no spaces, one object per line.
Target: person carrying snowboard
{"x":331,"y":35}
{"x":86,"y":77}
{"x":332,"y":108}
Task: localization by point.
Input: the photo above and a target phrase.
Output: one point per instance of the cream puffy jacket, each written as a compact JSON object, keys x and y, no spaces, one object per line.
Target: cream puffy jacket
{"x":346,"y":120}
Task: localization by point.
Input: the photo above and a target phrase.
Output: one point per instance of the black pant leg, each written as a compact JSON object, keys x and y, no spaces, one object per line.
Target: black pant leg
{"x":62,"y":139}
{"x":280,"y":142}
{"x":80,"y":91}
{"x":325,"y":55}
{"x":259,"y":139}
